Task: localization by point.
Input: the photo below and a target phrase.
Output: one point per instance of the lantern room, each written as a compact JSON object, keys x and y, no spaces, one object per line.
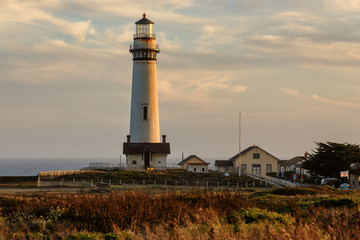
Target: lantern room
{"x":144,"y":28}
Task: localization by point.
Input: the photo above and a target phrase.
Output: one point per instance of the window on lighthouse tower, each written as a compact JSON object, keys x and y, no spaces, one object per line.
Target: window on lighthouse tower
{"x":145,"y":112}
{"x":144,"y":30}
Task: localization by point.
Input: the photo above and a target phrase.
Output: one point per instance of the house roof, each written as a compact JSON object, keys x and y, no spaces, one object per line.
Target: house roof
{"x":293,"y":161}
{"x":248,"y":150}
{"x":136,"y":148}
{"x":204,"y":163}
{"x":191,"y":157}
{"x":224,"y":163}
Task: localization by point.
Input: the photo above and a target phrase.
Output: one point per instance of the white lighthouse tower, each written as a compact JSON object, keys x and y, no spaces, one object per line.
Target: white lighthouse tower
{"x":143,"y":148}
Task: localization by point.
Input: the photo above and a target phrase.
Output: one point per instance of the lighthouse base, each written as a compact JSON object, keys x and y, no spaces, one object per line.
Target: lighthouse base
{"x":144,"y":156}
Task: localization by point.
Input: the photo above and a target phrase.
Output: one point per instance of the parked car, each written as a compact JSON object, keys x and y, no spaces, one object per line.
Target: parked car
{"x":334,"y":182}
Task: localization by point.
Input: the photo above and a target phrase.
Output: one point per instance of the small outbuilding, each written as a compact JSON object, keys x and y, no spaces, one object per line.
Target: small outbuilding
{"x":293,"y":164}
{"x":194,"y":164}
{"x":224,"y":166}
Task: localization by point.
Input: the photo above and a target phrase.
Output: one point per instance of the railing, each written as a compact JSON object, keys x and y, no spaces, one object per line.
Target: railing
{"x":144,"y":35}
{"x":273,"y":180}
{"x":132,"y":47}
{"x":82,"y":183}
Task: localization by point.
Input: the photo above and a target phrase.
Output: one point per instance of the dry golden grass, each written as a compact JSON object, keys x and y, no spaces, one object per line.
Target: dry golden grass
{"x":182,"y":215}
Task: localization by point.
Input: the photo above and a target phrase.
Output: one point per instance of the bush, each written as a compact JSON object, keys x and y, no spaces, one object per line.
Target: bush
{"x":83,"y":236}
{"x":272,"y":174}
{"x":254,"y":215}
{"x":293,"y":191}
{"x":110,"y":236}
{"x":332,"y":202}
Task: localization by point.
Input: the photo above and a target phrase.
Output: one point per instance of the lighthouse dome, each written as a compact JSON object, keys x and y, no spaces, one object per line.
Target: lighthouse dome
{"x":144,"y":20}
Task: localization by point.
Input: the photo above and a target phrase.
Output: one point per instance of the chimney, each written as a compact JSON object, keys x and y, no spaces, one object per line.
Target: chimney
{"x":164,"y":138}
{"x":128,"y":138}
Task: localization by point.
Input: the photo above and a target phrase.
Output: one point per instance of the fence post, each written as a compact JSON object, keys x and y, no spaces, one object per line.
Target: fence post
{"x":133,"y":182}
{"x":187,"y":183}
{"x":154,"y":182}
{"x":144,"y":182}
{"x":207,"y":184}
{"x":109,"y":182}
{"x":197,"y":183}
{"x":120,"y":182}
{"x":228,"y":184}
{"x":246,"y":185}
{"x":237,"y":184}
{"x":165,"y":182}
{"x":92,"y":183}
{"x":175,"y":183}
{"x":254,"y":184}
{"x":217,"y":184}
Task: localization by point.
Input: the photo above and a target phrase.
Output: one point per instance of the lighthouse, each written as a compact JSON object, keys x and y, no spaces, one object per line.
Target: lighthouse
{"x":143,"y":148}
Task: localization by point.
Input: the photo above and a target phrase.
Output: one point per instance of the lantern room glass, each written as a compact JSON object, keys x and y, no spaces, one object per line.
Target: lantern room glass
{"x":144,"y":30}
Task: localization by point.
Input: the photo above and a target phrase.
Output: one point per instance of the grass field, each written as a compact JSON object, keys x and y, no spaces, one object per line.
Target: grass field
{"x":285,"y":213}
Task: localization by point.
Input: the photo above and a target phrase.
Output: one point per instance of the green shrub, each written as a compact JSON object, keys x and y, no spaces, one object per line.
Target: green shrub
{"x":293,"y":191}
{"x":332,"y":202}
{"x":83,"y":236}
{"x":254,"y":215}
{"x":32,"y":236}
{"x":111,"y":236}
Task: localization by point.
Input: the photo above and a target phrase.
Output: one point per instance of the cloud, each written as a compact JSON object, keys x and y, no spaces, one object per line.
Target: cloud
{"x":347,"y":5}
{"x":317,"y":98}
{"x":31,"y":13}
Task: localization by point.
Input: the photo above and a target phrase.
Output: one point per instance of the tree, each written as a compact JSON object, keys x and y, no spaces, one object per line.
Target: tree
{"x":329,"y":159}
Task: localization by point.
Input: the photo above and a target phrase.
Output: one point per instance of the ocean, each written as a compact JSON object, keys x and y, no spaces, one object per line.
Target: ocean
{"x":32,"y":166}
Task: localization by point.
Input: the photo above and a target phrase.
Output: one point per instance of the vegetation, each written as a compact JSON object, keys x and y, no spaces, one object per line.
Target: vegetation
{"x":171,"y":177}
{"x":18,"y":181}
{"x":329,"y":159}
{"x":300,"y":213}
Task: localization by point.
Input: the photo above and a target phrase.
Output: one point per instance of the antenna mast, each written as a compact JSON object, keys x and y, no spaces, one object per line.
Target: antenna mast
{"x":240,"y":168}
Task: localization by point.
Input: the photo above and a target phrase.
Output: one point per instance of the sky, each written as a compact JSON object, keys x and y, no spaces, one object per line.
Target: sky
{"x":290,"y":67}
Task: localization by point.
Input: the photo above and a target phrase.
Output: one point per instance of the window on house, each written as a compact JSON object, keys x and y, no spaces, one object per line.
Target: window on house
{"x":134,"y":162}
{"x":256,"y":168}
{"x":268,"y":168}
{"x":145,"y":112}
{"x":194,"y":169}
{"x":243,"y":168}
{"x":256,"y":155}
{"x":226,"y":169}
{"x":203,"y":169}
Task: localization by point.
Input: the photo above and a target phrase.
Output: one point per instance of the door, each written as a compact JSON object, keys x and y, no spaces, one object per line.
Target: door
{"x":256,"y":168}
{"x":147,"y":159}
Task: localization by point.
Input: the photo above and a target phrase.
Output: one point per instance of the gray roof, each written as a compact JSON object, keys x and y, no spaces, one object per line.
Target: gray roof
{"x":224,"y":163}
{"x":144,"y":20}
{"x":136,"y":148}
{"x":294,"y":161}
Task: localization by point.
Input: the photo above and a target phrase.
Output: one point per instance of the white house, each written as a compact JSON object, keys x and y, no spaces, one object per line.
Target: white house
{"x":194,"y":164}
